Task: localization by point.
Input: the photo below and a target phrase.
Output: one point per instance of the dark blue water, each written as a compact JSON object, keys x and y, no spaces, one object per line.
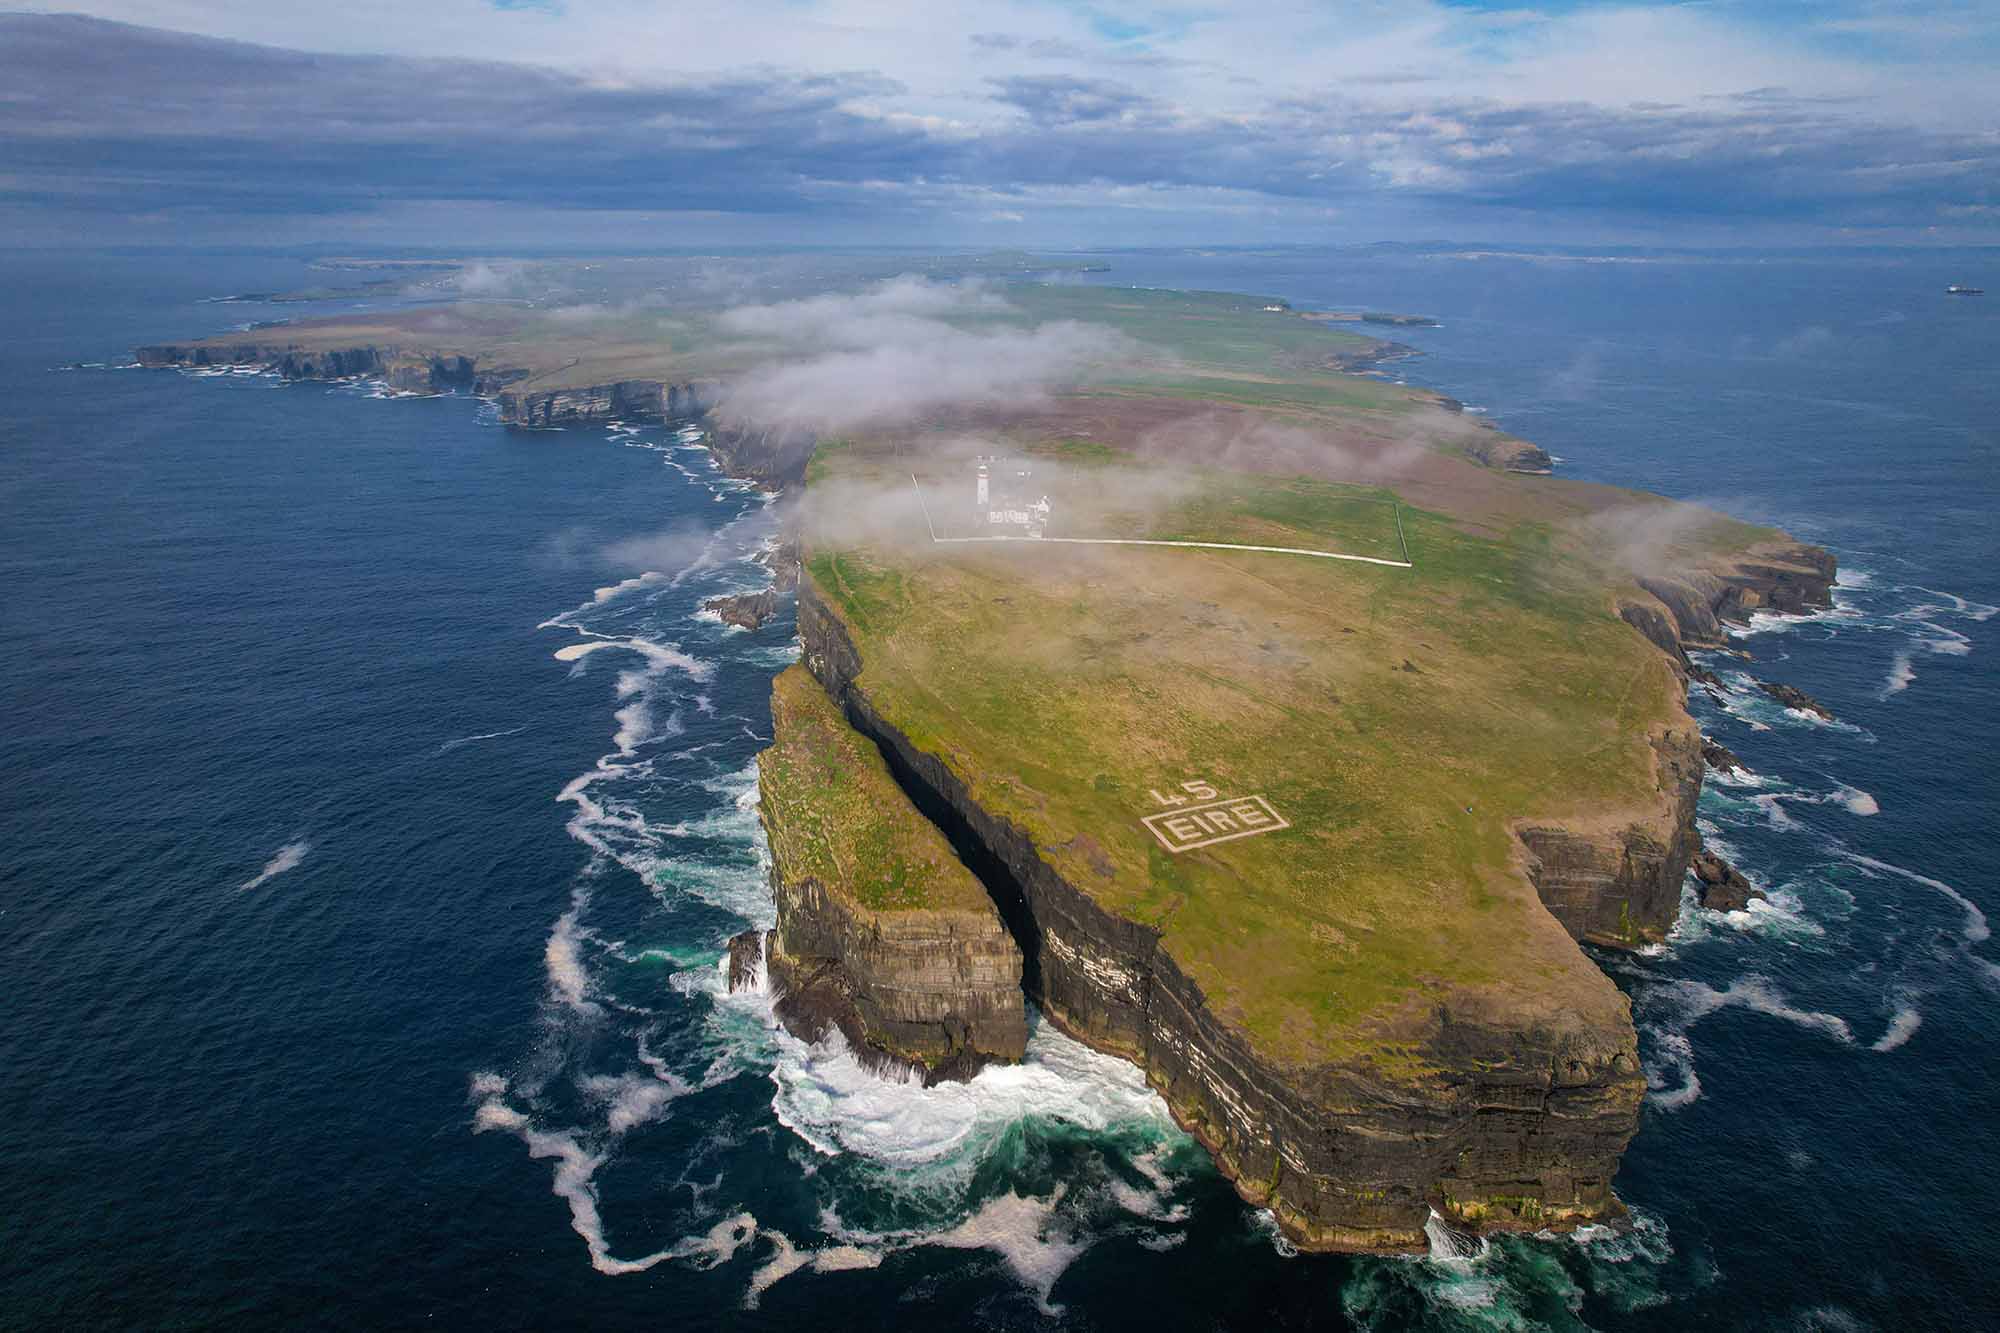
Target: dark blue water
{"x":361,"y":950}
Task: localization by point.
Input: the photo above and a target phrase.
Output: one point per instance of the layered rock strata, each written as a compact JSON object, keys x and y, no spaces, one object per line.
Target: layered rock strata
{"x":1499,"y":1123}
{"x":1694,"y":608}
{"x":882,"y":933}
{"x":623,"y":400}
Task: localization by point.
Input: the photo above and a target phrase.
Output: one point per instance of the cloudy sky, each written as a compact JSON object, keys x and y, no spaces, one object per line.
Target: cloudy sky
{"x":999,"y":122}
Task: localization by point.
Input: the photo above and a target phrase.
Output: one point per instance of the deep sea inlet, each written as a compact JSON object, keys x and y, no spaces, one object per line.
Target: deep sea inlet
{"x":378,"y":801}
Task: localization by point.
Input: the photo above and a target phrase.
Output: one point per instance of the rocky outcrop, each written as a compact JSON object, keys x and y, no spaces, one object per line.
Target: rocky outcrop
{"x":1371,"y":356}
{"x":746,"y":961}
{"x":1720,"y":757}
{"x":1787,"y":577}
{"x":1796,"y":699}
{"x":774,"y":457}
{"x":745,"y":610}
{"x":1497,"y":1123}
{"x":1723,"y":887}
{"x":1622,"y":887}
{"x":1498,"y":450}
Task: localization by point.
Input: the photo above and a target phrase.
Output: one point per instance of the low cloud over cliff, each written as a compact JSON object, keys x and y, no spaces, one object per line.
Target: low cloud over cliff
{"x":889,"y":355}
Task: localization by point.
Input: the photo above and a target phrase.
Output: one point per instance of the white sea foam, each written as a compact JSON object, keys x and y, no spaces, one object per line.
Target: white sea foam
{"x":659,"y":656}
{"x":828,"y":1098}
{"x":1266,"y":1223}
{"x":648,"y":579}
{"x":788,"y":1259}
{"x":1903,"y":1025}
{"x":1780,"y":622}
{"x":635,"y":1099}
{"x":562,"y":956}
{"x":1671,"y":1082}
{"x":1858,"y":802}
{"x":1760,"y":996}
{"x":1028,"y":1235}
{"x":1676,"y":1006}
{"x":1774,"y":811}
{"x":287,"y":858}
{"x":1975,"y":927}
{"x":1901,"y":673}
{"x":719,"y":1244}
{"x":451,"y":745}
{"x":1977,"y":611}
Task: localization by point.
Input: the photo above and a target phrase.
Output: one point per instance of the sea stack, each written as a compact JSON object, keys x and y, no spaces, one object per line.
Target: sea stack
{"x":882,"y":932}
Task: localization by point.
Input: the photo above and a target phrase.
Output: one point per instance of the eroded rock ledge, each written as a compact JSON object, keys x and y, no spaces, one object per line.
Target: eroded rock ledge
{"x":1495,"y":1122}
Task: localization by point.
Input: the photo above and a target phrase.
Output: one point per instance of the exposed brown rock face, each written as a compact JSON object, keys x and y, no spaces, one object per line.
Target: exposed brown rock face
{"x":1620,"y":885}
{"x":746,"y":610}
{"x":1791,"y":696}
{"x":773,"y":457}
{"x":746,"y":959}
{"x":1720,"y":757}
{"x":1500,"y":1122}
{"x":1723,"y":888}
{"x":625,"y":400}
{"x":1788,"y":577}
{"x":935,"y":993}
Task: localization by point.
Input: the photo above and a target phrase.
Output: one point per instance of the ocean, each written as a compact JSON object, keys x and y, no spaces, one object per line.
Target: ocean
{"x":379,"y":799}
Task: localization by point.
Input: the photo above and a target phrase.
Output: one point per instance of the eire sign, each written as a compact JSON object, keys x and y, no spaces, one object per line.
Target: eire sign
{"x":1187,"y":827}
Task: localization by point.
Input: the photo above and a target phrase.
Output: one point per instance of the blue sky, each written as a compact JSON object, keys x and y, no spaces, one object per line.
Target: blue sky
{"x":1033,"y":122}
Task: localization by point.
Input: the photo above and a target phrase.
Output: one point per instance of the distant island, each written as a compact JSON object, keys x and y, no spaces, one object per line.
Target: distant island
{"x":1265,"y":724}
{"x":1371,"y":317}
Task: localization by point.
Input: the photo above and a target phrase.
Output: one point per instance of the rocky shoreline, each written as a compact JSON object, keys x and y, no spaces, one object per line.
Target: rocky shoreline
{"x":412,"y":370}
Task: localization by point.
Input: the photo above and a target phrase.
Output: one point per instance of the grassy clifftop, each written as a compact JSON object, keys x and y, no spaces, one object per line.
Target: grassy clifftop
{"x":834,"y":813}
{"x":1397,"y":719}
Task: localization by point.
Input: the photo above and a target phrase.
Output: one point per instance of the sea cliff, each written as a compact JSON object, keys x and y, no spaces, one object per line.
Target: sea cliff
{"x":513,"y":387}
{"x":1494,"y":1122}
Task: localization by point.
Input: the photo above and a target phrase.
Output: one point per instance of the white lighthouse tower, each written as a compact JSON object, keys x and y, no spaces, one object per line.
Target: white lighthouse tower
{"x":983,"y":473}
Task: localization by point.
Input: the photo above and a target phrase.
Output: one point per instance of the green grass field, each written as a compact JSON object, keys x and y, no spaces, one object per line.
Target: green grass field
{"x":1397,"y":718}
{"x":834,"y":813}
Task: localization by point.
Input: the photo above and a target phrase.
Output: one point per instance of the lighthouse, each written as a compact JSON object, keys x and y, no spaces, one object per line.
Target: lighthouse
{"x":982,"y":484}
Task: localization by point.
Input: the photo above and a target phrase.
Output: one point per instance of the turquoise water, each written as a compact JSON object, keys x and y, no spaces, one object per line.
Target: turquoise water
{"x":362,"y":931}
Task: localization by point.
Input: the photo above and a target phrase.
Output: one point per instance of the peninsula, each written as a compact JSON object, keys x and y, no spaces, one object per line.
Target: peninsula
{"x":1315,"y":842}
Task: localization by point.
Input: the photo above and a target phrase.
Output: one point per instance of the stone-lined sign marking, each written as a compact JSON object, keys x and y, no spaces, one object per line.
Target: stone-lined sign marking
{"x":1218,"y":821}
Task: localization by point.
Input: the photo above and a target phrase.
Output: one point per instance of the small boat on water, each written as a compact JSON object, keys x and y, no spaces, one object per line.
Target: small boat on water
{"x":1956,"y":290}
